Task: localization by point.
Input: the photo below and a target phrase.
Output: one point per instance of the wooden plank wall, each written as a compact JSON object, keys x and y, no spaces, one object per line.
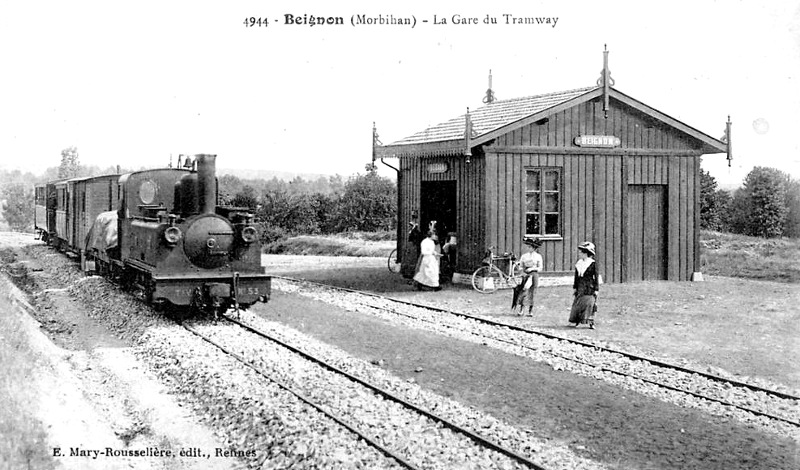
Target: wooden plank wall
{"x":470,"y":201}
{"x":491,"y":200}
{"x":591,"y":199}
{"x":72,"y":220}
{"x":635,"y":129}
{"x":594,"y":194}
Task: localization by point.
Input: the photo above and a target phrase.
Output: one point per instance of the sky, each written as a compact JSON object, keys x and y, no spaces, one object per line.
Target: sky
{"x":133,"y":83}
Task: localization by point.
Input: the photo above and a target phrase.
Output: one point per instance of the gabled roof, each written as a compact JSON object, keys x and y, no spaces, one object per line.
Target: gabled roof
{"x":500,"y":117}
{"x":492,"y":116}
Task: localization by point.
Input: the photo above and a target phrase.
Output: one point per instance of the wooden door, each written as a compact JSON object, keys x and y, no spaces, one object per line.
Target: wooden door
{"x":647,"y":232}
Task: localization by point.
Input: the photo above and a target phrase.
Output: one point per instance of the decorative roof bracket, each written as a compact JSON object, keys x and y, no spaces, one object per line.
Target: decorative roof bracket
{"x":468,"y":136}
{"x":727,"y":140}
{"x":375,"y":142}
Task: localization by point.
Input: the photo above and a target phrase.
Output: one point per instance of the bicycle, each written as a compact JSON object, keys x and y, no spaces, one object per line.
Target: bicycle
{"x":498,"y":271}
{"x":392,"y":262}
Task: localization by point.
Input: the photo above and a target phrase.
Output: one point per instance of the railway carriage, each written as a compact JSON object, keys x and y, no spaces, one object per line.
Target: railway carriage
{"x":62,"y":231}
{"x":40,"y":210}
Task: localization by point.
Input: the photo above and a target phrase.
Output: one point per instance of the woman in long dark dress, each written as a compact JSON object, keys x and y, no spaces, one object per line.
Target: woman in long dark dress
{"x":586,"y":285}
{"x":411,"y":252}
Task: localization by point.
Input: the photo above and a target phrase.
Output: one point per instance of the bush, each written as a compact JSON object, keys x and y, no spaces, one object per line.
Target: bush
{"x":713,"y":203}
{"x":17,"y":206}
{"x":791,"y":226}
{"x":245,"y":198}
{"x":767,"y":191}
{"x":369,"y":203}
{"x":768,"y":205}
{"x":270,"y":233}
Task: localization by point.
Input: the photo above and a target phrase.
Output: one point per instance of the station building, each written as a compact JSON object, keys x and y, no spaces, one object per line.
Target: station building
{"x":586,"y":164}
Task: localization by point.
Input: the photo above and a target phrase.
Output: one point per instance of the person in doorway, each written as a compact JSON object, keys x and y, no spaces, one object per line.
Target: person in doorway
{"x":531,"y":263}
{"x":586,"y":286}
{"x":433,"y":226}
{"x":427,"y":276}
{"x":449,"y":250}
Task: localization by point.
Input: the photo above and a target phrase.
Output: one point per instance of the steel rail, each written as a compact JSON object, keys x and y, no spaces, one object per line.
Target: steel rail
{"x":306,"y":400}
{"x":629,"y":355}
{"x":482,"y":440}
{"x":618,"y":372}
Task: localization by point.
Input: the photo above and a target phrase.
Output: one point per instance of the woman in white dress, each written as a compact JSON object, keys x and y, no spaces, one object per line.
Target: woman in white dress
{"x":427,"y":276}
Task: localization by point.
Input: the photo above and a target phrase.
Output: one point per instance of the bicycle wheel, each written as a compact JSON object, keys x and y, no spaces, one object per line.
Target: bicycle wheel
{"x":392,"y":262}
{"x":486,"y":279}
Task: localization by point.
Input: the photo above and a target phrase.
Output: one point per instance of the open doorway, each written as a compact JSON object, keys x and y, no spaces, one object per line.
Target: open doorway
{"x":438,"y":202}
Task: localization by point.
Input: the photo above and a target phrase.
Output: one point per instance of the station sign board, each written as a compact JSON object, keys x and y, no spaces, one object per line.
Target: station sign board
{"x":597,"y":141}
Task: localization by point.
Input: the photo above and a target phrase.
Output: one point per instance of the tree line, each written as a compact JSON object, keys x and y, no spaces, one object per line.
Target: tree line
{"x":767,"y":205}
{"x":17,"y":187}
{"x":364,"y":202}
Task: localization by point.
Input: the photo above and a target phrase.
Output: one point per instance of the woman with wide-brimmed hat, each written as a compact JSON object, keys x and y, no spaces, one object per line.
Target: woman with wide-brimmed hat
{"x":586,"y":285}
{"x":531,"y":263}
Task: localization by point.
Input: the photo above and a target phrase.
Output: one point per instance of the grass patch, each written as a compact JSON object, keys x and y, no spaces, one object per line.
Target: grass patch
{"x":22,"y":438}
{"x":721,"y":254}
{"x":332,"y":245}
{"x":386,"y":235}
{"x":726,"y":254}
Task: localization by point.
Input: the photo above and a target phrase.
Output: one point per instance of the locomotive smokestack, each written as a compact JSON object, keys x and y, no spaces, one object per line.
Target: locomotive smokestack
{"x":207,"y":182}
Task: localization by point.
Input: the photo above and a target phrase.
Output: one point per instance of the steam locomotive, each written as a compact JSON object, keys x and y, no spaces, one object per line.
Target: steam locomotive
{"x":160,"y":232}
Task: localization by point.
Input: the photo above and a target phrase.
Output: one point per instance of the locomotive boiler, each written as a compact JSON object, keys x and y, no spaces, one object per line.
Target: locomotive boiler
{"x":171,"y":241}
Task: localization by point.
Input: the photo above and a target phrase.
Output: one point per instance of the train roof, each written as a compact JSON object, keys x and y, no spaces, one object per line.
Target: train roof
{"x":125,"y":177}
{"x":81,"y":178}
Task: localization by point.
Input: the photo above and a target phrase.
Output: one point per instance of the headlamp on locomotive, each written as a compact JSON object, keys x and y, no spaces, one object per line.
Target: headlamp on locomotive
{"x":196,"y":253}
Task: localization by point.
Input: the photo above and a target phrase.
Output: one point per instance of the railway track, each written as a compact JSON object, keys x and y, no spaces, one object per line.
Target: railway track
{"x":725,"y":389}
{"x":364,"y":432}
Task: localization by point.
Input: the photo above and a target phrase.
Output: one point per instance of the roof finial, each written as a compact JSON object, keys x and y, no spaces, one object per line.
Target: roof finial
{"x":605,"y":80}
{"x":489,"y":98}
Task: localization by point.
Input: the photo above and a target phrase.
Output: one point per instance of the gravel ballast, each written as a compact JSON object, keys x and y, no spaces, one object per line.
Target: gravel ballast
{"x":559,"y":354}
{"x":542,"y":453}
